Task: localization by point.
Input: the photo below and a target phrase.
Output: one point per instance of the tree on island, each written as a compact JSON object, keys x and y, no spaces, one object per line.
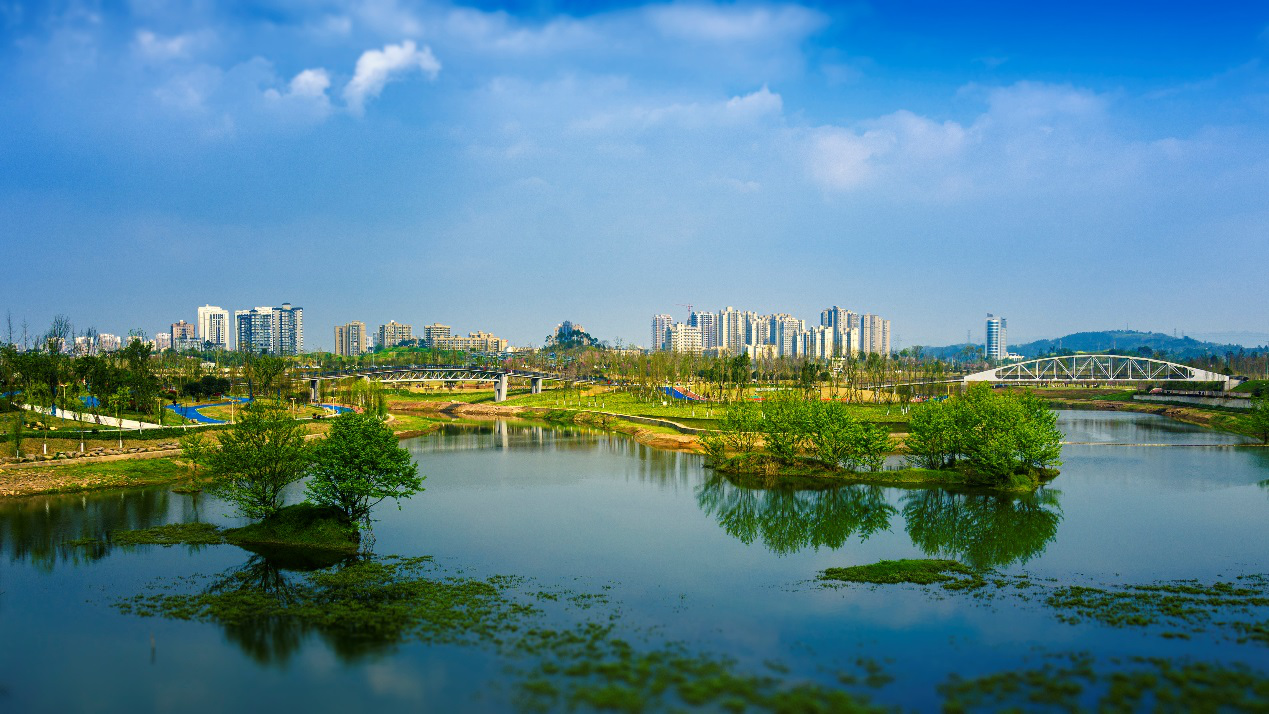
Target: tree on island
{"x":359,"y":464}
{"x":197,"y":450}
{"x":1258,"y":420}
{"x":262,"y":454}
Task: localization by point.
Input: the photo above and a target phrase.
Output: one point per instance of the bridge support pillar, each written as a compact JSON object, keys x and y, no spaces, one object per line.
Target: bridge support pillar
{"x":535,"y":385}
{"x":500,"y":388}
{"x":313,"y":393}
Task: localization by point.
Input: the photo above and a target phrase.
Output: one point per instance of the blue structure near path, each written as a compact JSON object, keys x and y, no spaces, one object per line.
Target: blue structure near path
{"x":192,"y":413}
{"x":677,"y":394}
{"x":337,"y":409}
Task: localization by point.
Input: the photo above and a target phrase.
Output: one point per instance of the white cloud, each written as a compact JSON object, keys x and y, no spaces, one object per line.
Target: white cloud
{"x":1028,"y":132}
{"x":387,"y":17}
{"x":305,"y":96}
{"x":497,"y":32}
{"x":159,"y":48}
{"x":375,"y":68}
{"x":711,"y":23}
{"x":310,"y":83}
{"x":759,"y":103}
{"x":754,"y":108}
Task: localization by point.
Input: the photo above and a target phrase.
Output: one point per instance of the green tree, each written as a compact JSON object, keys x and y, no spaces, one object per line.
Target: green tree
{"x":358,"y":465}
{"x":834,"y":434}
{"x":931,"y":440}
{"x":17,"y":430}
{"x":1258,"y":419}
{"x":119,"y":400}
{"x":40,"y":397}
{"x":741,"y":424}
{"x":869,"y":450}
{"x":785,"y":426}
{"x":262,"y":454}
{"x":197,"y":449}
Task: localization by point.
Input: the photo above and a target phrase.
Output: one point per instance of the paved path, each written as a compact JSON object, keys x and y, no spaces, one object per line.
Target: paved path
{"x":96,"y":419}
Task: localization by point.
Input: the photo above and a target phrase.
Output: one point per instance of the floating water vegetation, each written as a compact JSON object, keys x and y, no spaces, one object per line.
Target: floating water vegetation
{"x":300,"y":527}
{"x":1182,"y":607}
{"x":1069,"y":683}
{"x":916,"y":571}
{"x":1185,"y":603}
{"x":590,"y":668}
{"x":362,"y":606}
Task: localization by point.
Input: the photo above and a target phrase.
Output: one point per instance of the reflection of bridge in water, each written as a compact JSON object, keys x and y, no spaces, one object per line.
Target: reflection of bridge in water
{"x":414,"y":374}
{"x":1086,"y":369}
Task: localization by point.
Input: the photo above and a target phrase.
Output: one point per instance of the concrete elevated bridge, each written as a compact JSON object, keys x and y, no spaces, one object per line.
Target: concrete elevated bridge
{"x":415,"y":374}
{"x":1092,"y":369}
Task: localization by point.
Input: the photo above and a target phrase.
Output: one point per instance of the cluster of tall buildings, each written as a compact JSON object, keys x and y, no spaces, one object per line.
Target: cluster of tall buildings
{"x":841,"y":333}
{"x":353,"y":339}
{"x":262,"y":330}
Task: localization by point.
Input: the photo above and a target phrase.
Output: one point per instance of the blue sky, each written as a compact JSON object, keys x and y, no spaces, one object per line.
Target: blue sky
{"x":507,"y":166}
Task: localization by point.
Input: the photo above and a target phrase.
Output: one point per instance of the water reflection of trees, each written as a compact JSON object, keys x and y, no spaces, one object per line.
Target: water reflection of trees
{"x":787,"y":521}
{"x":983,"y":531}
{"x":272,"y":635}
{"x":38,"y":528}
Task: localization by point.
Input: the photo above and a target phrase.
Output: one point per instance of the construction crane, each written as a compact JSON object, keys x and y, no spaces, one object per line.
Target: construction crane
{"x":688,"y":306}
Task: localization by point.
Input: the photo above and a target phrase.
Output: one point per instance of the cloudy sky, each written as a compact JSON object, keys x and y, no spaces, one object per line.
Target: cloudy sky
{"x":504,"y":167}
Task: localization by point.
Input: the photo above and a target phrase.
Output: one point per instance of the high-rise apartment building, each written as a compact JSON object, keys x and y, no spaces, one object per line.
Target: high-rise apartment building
{"x":350,"y":339}
{"x":270,"y":330}
{"x":684,"y":338}
{"x":163,"y":341}
{"x":433,"y":332}
{"x":759,"y":332}
{"x":661,"y":332}
{"x":707,"y":323}
{"x":846,"y":327}
{"x":394,"y":333}
{"x":213,"y":327}
{"x":997,"y":346}
{"x":874,"y":335}
{"x":783,"y":329}
{"x":733,"y":329}
{"x":254,"y":330}
{"x":288,"y":330}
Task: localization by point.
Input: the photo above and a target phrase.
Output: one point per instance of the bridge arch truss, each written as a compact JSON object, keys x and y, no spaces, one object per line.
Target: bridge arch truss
{"x":1095,"y":368}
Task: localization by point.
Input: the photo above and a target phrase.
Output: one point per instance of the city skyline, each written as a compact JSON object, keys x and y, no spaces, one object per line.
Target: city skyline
{"x":653,"y":153}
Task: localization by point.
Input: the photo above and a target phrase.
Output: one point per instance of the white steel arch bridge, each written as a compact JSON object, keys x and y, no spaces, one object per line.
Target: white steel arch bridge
{"x":1096,"y":368}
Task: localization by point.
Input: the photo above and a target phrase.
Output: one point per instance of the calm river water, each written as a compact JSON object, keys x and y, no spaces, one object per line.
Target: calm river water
{"x":680,"y":554}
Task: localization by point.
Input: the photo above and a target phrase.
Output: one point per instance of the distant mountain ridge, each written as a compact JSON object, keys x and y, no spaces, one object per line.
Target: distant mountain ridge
{"x":1124,"y":341}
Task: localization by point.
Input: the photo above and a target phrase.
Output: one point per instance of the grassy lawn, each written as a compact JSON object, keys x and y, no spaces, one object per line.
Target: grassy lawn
{"x":1089,"y":394}
{"x":70,"y":476}
{"x":411,"y":422}
{"x":1253,"y":386}
{"x":470,"y":396}
{"x":694,"y":414}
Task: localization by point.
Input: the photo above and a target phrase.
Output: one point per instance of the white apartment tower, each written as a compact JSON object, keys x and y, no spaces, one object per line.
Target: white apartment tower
{"x":214,"y":327}
{"x":661,"y":332}
{"x":997,"y":346}
{"x":733,"y":328}
{"x":874,"y":335}
{"x":288,"y":330}
{"x":707,"y":323}
{"x":685,"y":338}
{"x":270,"y":330}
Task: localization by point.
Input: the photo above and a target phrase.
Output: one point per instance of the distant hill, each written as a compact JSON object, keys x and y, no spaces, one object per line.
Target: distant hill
{"x":1119,"y":341}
